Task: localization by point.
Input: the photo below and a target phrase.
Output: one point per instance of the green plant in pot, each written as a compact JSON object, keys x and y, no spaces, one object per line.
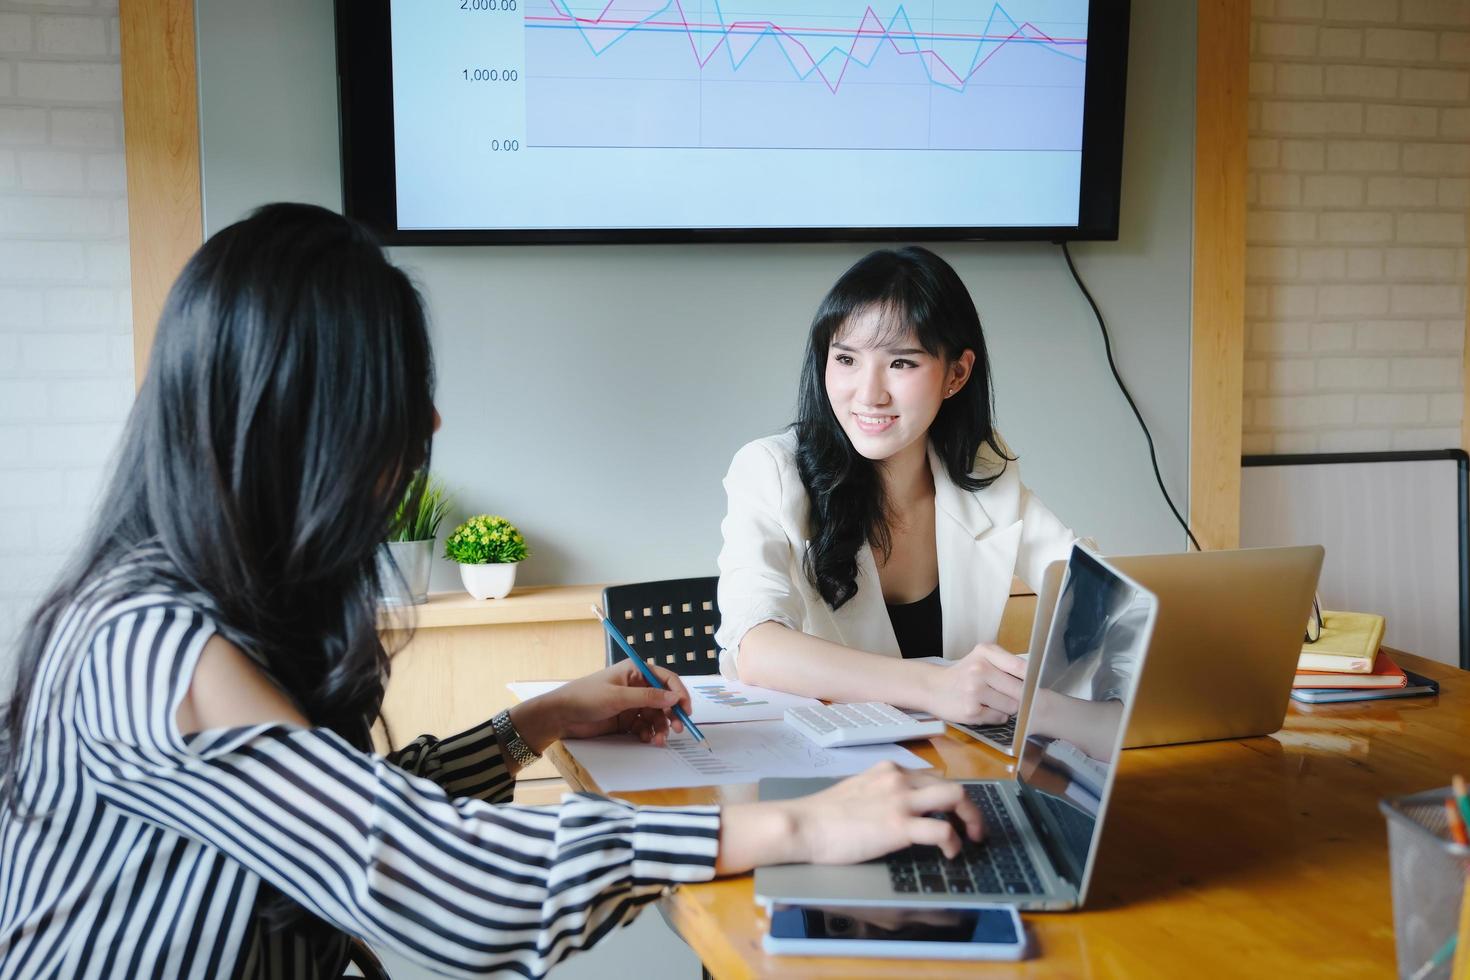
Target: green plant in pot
{"x":408,"y":554}
{"x":488,"y":549}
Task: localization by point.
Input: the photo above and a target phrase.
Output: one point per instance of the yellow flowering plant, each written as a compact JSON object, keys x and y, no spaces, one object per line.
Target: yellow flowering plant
{"x":485,"y":539}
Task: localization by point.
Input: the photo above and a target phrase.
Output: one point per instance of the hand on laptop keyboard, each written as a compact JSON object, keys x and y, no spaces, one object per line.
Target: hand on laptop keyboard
{"x":997,"y":865}
{"x":863,"y":817}
{"x":883,"y":810}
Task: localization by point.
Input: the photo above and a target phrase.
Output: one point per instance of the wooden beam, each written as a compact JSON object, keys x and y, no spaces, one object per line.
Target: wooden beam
{"x":161,"y":145}
{"x":1217,"y":349}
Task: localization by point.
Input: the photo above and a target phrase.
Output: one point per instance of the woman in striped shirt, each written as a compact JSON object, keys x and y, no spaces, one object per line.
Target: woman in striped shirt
{"x":187,"y":787}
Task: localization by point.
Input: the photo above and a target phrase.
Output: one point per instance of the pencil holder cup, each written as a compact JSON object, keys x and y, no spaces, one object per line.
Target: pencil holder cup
{"x":1428,"y":872}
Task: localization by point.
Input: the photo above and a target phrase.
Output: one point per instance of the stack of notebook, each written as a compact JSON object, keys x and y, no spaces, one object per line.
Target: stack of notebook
{"x":1347,"y":664}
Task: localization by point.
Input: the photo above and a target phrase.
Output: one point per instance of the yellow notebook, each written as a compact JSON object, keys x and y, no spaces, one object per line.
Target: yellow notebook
{"x":1348,"y":645}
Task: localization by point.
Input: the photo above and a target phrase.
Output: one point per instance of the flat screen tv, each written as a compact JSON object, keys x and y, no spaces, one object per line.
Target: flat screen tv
{"x":542,"y":121}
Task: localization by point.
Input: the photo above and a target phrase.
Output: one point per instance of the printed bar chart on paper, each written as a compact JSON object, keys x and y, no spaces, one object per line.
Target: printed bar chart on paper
{"x":741,"y":754}
{"x":738,"y":113}
{"x":718,"y":700}
{"x":714,"y":699}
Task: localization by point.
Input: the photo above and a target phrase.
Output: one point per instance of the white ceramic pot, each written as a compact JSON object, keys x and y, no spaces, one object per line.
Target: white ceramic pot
{"x":492,"y":581}
{"x":403,"y":571}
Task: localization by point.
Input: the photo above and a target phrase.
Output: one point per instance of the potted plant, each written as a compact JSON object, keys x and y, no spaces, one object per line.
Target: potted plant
{"x":408,"y":554}
{"x":487,"y":548}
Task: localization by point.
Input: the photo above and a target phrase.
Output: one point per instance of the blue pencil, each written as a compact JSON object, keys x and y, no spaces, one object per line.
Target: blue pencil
{"x":651,"y":677}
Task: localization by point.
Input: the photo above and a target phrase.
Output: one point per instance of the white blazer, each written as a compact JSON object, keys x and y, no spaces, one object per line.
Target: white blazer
{"x":984,"y":538}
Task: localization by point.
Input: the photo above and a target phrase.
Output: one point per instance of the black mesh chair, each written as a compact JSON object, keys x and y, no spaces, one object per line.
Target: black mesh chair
{"x":670,"y":623}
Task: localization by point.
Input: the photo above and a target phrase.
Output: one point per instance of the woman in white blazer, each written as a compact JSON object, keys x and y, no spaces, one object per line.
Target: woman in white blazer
{"x":887,"y":523}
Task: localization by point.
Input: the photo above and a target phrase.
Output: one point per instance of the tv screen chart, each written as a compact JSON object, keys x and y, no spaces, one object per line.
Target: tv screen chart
{"x":797,"y":114}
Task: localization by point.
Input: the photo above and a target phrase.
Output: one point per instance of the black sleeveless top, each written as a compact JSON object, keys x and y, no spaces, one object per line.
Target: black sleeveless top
{"x":919,"y":626}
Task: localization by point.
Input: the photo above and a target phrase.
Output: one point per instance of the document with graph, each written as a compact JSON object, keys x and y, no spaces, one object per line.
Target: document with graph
{"x":717,"y":700}
{"x":741,"y":753}
{"x":714,"y":699}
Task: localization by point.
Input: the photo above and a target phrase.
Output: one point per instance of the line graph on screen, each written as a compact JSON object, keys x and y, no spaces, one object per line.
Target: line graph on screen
{"x":790,"y":74}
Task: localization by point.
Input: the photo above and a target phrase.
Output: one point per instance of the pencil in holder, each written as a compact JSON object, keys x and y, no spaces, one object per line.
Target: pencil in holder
{"x":1428,"y":871}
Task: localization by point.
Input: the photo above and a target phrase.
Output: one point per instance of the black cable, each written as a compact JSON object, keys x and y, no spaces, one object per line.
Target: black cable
{"x":1108,"y":347}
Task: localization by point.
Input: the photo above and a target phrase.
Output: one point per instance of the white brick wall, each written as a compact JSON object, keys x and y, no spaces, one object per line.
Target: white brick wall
{"x":1356,"y":241}
{"x":66,"y":373}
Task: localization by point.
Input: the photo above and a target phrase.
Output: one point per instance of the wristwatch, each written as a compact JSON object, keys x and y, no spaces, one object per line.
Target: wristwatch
{"x":510,"y":740}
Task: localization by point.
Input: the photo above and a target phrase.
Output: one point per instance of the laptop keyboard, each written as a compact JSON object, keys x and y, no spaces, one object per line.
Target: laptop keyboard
{"x":1075,"y":825}
{"x":998,"y":864}
{"x":1002,"y":734}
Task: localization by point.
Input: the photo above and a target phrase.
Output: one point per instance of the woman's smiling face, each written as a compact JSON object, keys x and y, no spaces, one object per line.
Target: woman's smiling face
{"x":884,"y":388}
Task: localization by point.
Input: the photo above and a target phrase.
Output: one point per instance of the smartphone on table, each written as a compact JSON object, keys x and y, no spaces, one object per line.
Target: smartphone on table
{"x":992,"y":932}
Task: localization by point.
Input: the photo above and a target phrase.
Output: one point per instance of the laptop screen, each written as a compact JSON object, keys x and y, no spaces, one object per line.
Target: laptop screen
{"x":1087,"y":678}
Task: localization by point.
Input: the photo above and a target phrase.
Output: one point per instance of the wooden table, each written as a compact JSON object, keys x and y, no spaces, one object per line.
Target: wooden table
{"x":1262,"y":857}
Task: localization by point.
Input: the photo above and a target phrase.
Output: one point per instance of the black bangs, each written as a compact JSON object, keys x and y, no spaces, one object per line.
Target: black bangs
{"x":881,"y":325}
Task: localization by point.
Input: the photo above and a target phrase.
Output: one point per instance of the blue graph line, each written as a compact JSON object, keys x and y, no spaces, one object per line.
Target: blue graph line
{"x":802,"y":75}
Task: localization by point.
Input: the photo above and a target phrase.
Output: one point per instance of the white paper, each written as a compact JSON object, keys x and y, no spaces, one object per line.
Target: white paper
{"x":717,"y":700}
{"x":526,"y":690}
{"x":714,"y":699}
{"x":743,"y":753}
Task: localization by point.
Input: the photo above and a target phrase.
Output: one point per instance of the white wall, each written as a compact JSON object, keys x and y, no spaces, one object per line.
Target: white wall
{"x":1359,"y":181}
{"x":595,"y":394}
{"x":66,"y":355}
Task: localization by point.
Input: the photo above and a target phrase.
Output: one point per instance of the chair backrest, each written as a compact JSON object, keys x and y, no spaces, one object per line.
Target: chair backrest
{"x":360,"y":955}
{"x":670,"y":623}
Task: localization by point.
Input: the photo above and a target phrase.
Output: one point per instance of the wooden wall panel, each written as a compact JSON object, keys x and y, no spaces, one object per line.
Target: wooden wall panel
{"x":161,"y":131}
{"x":1217,"y":349}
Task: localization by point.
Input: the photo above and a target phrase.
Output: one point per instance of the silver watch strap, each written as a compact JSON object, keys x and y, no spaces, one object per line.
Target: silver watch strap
{"x":510,"y":740}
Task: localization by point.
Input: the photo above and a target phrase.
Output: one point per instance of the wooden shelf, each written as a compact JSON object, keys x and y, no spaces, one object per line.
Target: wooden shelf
{"x":530,"y":604}
{"x":526,"y":604}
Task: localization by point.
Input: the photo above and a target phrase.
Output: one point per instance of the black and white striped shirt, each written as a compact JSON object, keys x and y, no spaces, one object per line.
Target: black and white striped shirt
{"x":143,"y":852}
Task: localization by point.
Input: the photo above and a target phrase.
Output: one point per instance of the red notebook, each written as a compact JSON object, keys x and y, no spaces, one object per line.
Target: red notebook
{"x":1385,"y":673}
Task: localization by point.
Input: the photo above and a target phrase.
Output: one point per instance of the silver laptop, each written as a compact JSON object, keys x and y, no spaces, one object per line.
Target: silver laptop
{"x":1003,"y":736}
{"x":1226,"y":644}
{"x":1043,"y":827}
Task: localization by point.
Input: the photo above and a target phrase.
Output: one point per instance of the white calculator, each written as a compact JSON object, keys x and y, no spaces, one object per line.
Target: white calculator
{"x":836,"y":725}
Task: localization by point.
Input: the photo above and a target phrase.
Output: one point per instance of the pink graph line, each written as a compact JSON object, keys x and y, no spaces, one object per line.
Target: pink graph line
{"x":601,"y":21}
{"x":760,"y":26}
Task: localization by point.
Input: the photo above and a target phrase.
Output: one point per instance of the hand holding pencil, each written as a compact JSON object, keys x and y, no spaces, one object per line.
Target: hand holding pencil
{"x":653,"y":681}
{"x":615,"y":700}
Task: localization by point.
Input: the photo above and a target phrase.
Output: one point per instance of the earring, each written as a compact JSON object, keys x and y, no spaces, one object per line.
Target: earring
{"x":949,"y":392}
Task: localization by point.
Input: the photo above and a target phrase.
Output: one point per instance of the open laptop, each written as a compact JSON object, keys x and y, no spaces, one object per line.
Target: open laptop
{"x":1002,"y":737}
{"x":1043,"y":827}
{"x":1226,"y":644}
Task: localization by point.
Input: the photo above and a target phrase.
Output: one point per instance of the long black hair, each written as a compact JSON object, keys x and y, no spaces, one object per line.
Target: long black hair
{"x":914,"y":290}
{"x":288,"y":402}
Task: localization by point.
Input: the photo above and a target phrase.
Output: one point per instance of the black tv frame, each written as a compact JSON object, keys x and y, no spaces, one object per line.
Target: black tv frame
{"x":365,"y":111}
